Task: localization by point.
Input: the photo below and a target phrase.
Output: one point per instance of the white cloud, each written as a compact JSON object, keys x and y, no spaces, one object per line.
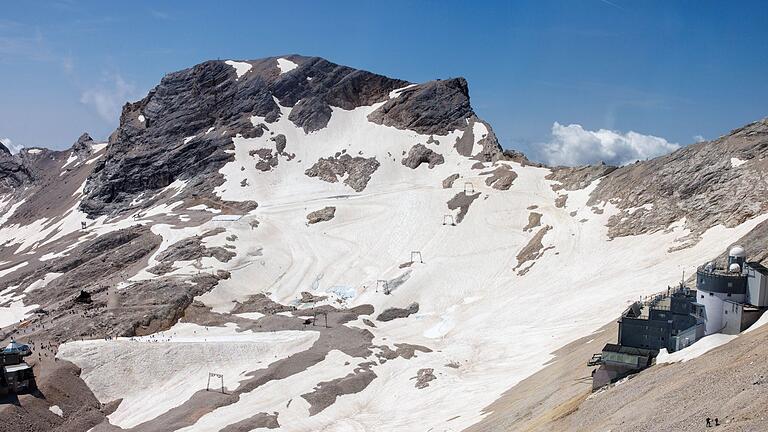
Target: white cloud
{"x":108,"y":98}
{"x":573,"y":145}
{"x":699,"y":138}
{"x":8,"y":143}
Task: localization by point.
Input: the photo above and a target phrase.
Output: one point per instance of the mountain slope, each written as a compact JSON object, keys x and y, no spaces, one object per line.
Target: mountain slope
{"x":422,"y":277}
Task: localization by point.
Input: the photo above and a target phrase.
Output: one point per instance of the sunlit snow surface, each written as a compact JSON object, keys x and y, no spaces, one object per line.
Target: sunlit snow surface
{"x":286,"y":65}
{"x":475,"y":309}
{"x":241,"y":68}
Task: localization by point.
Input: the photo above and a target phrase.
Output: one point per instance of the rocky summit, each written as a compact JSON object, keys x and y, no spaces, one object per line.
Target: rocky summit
{"x":288,"y":243}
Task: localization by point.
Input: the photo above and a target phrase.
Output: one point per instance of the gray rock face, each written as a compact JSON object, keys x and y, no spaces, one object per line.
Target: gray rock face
{"x":420,"y":154}
{"x":322,"y":215}
{"x":13,"y":172}
{"x":698,"y":182}
{"x":359,"y":169}
{"x":395,"y":313}
{"x":82,"y":147}
{"x":150,"y":154}
{"x":435,"y":107}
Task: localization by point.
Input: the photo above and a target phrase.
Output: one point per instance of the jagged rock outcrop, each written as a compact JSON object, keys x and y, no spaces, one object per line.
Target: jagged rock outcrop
{"x":420,"y":154}
{"x":13,"y":172}
{"x":435,"y":107}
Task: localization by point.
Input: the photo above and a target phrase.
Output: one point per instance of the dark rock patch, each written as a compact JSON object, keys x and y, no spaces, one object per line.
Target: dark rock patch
{"x":534,"y":249}
{"x":534,"y":220}
{"x":256,"y":421}
{"x":420,"y":154}
{"x":359,"y":170}
{"x":435,"y":107}
{"x":501,"y":178}
{"x":322,"y":215}
{"x":462,"y":201}
{"x":423,"y":377}
{"x":560,"y":201}
{"x":325,"y":393}
{"x":395,"y":313}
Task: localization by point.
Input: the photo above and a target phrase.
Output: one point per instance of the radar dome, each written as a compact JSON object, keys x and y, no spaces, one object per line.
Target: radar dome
{"x":734,"y":268}
{"x":738,"y":252}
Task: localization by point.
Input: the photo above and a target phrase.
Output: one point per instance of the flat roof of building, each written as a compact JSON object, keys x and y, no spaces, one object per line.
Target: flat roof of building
{"x":17,"y":367}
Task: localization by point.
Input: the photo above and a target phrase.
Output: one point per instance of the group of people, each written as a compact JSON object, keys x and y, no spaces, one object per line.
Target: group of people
{"x":710,"y":424}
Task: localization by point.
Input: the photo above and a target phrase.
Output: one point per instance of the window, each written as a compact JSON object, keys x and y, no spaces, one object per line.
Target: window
{"x":710,"y":294}
{"x":730,"y":284}
{"x":702,"y":296}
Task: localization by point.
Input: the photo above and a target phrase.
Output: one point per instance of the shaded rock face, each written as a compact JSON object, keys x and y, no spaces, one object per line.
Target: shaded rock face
{"x":395,"y":313}
{"x":13,"y":172}
{"x":359,"y":169}
{"x":321,"y":215}
{"x":420,"y":154}
{"x":82,"y":147}
{"x":167,"y":135}
{"x":435,"y":107}
{"x":700,"y":182}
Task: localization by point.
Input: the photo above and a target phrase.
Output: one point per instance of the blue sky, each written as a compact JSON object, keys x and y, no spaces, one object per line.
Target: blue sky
{"x":671,"y":69}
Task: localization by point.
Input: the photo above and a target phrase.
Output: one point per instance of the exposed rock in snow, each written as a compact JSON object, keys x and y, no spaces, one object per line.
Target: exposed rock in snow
{"x":462,"y":201}
{"x":358,"y":170}
{"x":423,"y":377}
{"x":322,"y":215}
{"x":420,"y":154}
{"x":395,"y":313}
{"x":448,"y":181}
{"x":501,"y":178}
{"x":534,"y":220}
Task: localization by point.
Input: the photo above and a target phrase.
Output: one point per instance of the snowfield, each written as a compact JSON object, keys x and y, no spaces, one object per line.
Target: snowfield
{"x":488,"y":319}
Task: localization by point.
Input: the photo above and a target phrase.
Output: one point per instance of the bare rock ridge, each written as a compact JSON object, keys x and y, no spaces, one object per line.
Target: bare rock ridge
{"x":708,"y":183}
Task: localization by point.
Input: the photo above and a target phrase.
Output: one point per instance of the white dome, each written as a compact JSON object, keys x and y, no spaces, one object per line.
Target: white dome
{"x":734,"y":268}
{"x":738,"y":252}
